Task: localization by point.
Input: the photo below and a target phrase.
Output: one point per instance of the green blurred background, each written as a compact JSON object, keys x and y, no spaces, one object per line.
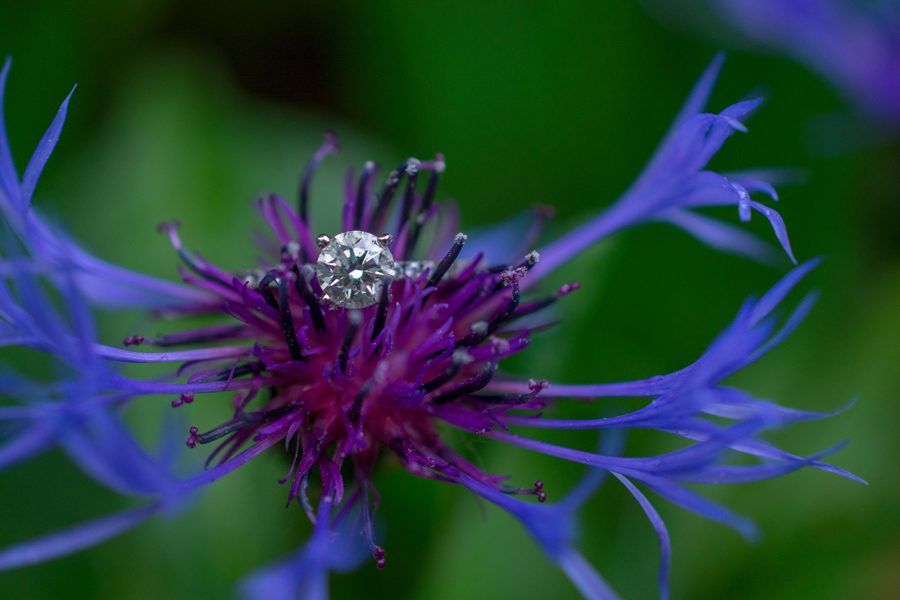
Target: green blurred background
{"x":191,"y":110}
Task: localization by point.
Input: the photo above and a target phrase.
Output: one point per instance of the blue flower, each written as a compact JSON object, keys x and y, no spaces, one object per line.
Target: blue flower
{"x":381,"y":356}
{"x":855,"y":46}
{"x":78,"y":409}
{"x":676,"y":181}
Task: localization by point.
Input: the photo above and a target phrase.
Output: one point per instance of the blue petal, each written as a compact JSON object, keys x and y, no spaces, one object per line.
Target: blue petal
{"x":675,"y":179}
{"x":696,"y":503}
{"x":778,"y":227}
{"x":42,"y":153}
{"x":774,"y":296}
{"x":731,"y":474}
{"x":109,"y":453}
{"x":588,"y":581}
{"x":552,"y":526}
{"x":9,"y":180}
{"x":26,"y":445}
{"x":74,"y":539}
{"x":701,"y":91}
{"x":504,"y":243}
{"x":665,"y":544}
{"x":335,"y":545}
{"x":723,"y":236}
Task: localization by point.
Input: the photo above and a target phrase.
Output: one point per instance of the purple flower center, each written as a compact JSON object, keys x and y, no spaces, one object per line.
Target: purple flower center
{"x":351,"y":357}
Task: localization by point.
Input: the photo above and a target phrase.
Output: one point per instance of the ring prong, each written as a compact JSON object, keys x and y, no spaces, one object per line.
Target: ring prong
{"x":385,"y":240}
{"x":322,"y":240}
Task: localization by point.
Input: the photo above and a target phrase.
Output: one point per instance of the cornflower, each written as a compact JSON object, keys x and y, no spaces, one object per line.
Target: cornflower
{"x":349,"y":346}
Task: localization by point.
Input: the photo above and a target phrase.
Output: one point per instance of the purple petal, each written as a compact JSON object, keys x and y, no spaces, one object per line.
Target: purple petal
{"x":229,"y":465}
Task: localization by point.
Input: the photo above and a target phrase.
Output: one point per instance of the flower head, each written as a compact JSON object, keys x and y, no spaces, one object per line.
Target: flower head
{"x":344,"y":347}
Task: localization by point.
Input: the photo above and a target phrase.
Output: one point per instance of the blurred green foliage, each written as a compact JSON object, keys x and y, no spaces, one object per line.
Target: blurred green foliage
{"x":191,"y":110}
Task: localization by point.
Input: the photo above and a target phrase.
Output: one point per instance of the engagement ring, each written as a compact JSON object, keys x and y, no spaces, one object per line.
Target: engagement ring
{"x":353,"y":267}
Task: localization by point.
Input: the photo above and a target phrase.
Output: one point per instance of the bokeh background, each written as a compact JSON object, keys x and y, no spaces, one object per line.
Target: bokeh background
{"x":191,"y":110}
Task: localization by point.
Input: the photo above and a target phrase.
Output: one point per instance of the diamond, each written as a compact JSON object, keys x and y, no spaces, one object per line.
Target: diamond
{"x":351,"y":267}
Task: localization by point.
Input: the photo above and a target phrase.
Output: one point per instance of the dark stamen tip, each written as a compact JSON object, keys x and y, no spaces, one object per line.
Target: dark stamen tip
{"x":134,"y":340}
{"x":544,"y":211}
{"x":167,"y":226}
{"x":448,"y":260}
{"x":265,"y":288}
{"x":290,"y":252}
{"x":182,"y":399}
{"x":409,"y":196}
{"x":537,"y":386}
{"x":386,"y":195}
{"x":511,"y":276}
{"x":192,"y":437}
{"x":329,"y":146}
{"x":379,"y":554}
{"x":331,"y":140}
{"x":359,"y":205}
{"x":568,"y":288}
